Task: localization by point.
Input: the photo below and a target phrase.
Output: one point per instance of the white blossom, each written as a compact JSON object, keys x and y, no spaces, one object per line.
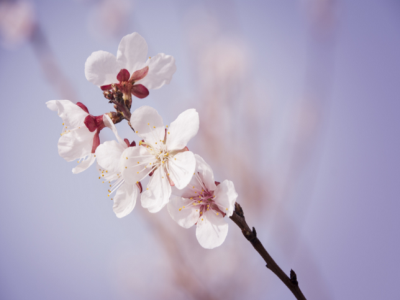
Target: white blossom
{"x":80,"y":136}
{"x":162,"y":154}
{"x":109,"y":166}
{"x":132,"y":68}
{"x":204,"y":203}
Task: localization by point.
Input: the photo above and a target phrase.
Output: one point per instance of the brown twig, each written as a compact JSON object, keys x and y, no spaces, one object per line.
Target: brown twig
{"x":251,"y":236}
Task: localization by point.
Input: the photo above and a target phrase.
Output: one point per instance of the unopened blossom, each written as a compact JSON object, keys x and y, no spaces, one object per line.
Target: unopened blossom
{"x":109,"y":166}
{"x":80,"y":136}
{"x":131,"y":70}
{"x":162,"y":154}
{"x":205,"y":203}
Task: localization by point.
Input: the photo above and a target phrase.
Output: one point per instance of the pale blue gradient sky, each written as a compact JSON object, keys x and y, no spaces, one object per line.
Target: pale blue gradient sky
{"x":59,"y":238}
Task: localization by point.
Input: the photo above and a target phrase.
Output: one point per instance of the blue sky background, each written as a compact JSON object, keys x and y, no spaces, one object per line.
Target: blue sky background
{"x":312,"y":112}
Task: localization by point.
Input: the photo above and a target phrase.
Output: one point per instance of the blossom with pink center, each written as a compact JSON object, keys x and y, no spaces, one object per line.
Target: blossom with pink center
{"x":162,"y":154}
{"x":110,"y":170}
{"x":80,"y":136}
{"x":205,"y":203}
{"x":132,"y":71}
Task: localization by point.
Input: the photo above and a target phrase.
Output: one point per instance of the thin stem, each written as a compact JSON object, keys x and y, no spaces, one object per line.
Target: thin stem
{"x":251,"y":236}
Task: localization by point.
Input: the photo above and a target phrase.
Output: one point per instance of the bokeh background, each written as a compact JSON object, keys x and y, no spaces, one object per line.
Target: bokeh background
{"x":299,"y":107}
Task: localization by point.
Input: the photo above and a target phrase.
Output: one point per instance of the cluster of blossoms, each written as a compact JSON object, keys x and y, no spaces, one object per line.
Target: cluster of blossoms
{"x":179,"y":178}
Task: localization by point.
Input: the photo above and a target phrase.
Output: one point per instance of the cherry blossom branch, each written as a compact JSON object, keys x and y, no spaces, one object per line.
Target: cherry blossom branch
{"x":251,"y":236}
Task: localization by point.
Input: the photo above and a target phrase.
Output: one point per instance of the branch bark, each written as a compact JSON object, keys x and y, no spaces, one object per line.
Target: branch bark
{"x":251,"y":235}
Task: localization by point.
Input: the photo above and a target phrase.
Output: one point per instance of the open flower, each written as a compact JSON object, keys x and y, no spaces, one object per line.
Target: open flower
{"x":80,"y":136}
{"x":162,"y":154}
{"x":205,"y":203}
{"x":131,"y":70}
{"x":109,"y":166}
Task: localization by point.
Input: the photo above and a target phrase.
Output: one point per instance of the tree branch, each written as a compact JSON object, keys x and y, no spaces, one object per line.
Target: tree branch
{"x":251,"y":236}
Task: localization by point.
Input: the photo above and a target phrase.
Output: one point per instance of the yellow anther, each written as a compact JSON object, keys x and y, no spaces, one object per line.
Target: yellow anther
{"x":154,"y":126}
{"x":162,"y":161}
{"x":202,"y":219}
{"x":106,"y":171}
{"x":111,"y":198}
{"x":137,"y":181}
{"x":138,"y":162}
{"x":197,"y":210}
{"x":103,"y":181}
{"x":199,"y":201}
{"x":149,"y":163}
{"x":138,"y":172}
{"x":195,"y":192}
{"x":169,"y":132}
{"x":191,"y":198}
{"x":148,"y":123}
{"x":78,"y":161}
{"x":126,"y":158}
{"x":201,"y":213}
{"x":140,"y":142}
{"x":108,"y":195}
{"x":227,"y":209}
{"x":94,"y":155}
{"x":99,"y":177}
{"x":102,"y":175}
{"x":175,"y":158}
{"x":137,"y":131}
{"x":217,"y":214}
{"x":126,"y":167}
{"x":166,"y":126}
{"x":109,"y":191}
{"x":63,"y":123}
{"x":180,"y":209}
{"x":110,"y":185}
{"x":147,"y":188}
{"x":156,"y":142}
{"x":193,"y":186}
{"x":183,"y":206}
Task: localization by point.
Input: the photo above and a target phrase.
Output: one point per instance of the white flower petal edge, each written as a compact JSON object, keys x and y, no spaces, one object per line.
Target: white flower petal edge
{"x":125,"y":199}
{"x":161,"y":69}
{"x":132,"y":52}
{"x":170,"y":163}
{"x":205,"y":204}
{"x":211,"y":230}
{"x":110,"y":168}
{"x":102,"y":68}
{"x":183,"y":129}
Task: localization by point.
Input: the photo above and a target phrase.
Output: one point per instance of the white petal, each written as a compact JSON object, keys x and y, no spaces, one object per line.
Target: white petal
{"x":183,"y":129}
{"x":76,"y":144}
{"x":148,"y":124}
{"x":225,"y":197}
{"x":108,"y":123}
{"x":132,"y":52}
{"x":72,"y":115}
{"x":185,"y":217}
{"x":157,"y":193}
{"x":161,"y":69}
{"x":206,"y":173}
{"x":211,"y":230}
{"x":102,"y":68}
{"x":109,"y":159}
{"x":125,"y":199}
{"x":181,"y":168}
{"x":84,"y":164}
{"x":136,"y":163}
